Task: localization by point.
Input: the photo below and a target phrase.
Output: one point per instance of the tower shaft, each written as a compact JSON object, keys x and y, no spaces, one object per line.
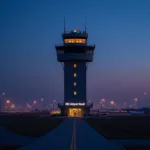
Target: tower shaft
{"x":75,"y":82}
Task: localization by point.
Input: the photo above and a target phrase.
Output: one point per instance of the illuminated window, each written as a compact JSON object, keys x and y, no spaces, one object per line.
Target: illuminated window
{"x":75,"y":84}
{"x":75,"y":41}
{"x":75,"y":75}
{"x":75,"y":93}
{"x":75,"y":65}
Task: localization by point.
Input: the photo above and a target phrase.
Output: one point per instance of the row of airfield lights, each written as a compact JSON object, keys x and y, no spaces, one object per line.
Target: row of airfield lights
{"x":35,"y":102}
{"x":11,"y":105}
{"x":112,"y":102}
{"x":7,"y":102}
{"x":102,"y":101}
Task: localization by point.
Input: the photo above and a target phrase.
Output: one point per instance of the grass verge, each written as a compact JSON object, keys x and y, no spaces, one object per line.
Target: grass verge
{"x":32,"y":126}
{"x":124,"y":127}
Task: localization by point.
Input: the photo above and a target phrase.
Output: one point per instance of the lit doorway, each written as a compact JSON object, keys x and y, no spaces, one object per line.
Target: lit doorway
{"x":75,"y":112}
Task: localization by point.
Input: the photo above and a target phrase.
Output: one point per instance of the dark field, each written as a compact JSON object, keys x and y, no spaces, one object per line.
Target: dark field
{"x":27,"y":125}
{"x":10,"y":147}
{"x":137,"y":147}
{"x":122,"y":127}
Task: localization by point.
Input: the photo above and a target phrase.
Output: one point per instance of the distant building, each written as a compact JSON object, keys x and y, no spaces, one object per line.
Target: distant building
{"x":75,"y":54}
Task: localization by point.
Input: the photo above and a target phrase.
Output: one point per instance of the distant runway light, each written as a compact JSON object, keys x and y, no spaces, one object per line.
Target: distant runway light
{"x":103,"y":100}
{"x":136,"y":99}
{"x":112,"y":102}
{"x":8,"y":101}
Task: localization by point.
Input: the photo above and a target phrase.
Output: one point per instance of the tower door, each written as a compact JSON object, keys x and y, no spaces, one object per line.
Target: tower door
{"x":75,"y":112}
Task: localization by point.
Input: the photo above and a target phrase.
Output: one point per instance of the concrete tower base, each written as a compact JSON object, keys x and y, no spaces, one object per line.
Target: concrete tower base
{"x":75,"y":111}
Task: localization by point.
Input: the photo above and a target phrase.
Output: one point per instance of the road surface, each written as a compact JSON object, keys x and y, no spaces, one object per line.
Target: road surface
{"x":72,"y":134}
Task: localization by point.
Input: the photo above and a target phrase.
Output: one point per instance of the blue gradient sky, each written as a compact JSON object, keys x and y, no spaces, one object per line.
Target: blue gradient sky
{"x":29,"y":30}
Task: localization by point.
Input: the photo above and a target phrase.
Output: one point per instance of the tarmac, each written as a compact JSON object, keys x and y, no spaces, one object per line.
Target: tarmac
{"x":72,"y":134}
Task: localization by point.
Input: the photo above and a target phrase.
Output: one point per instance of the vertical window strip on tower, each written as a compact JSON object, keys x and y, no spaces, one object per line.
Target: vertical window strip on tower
{"x":75,"y":84}
{"x":75,"y":93}
{"x":75,"y":65}
{"x":75,"y":75}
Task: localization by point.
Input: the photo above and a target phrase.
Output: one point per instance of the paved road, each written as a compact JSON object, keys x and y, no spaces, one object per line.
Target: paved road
{"x":88,"y":138}
{"x":72,"y":134}
{"x":7,"y":137}
{"x":58,"y":139}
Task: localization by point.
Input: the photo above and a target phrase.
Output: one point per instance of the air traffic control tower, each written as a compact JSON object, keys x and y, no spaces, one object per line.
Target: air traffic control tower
{"x":75,"y":54}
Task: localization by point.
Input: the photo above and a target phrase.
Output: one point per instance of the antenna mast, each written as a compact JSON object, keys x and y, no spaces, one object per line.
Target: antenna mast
{"x":64,"y":25}
{"x":85,"y":24}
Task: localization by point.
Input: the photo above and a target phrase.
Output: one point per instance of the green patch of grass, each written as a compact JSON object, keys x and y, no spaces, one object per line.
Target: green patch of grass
{"x":30,"y":125}
{"x":125,"y":127}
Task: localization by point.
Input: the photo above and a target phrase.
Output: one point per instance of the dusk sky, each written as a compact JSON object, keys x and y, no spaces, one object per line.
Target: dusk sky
{"x":29,"y":30}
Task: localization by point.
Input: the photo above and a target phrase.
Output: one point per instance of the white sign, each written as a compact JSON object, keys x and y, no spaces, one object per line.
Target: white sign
{"x":74,"y":104}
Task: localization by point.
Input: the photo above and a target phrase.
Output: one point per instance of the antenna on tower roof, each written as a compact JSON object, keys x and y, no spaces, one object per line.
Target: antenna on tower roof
{"x":64,"y":25}
{"x":85,"y":24}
